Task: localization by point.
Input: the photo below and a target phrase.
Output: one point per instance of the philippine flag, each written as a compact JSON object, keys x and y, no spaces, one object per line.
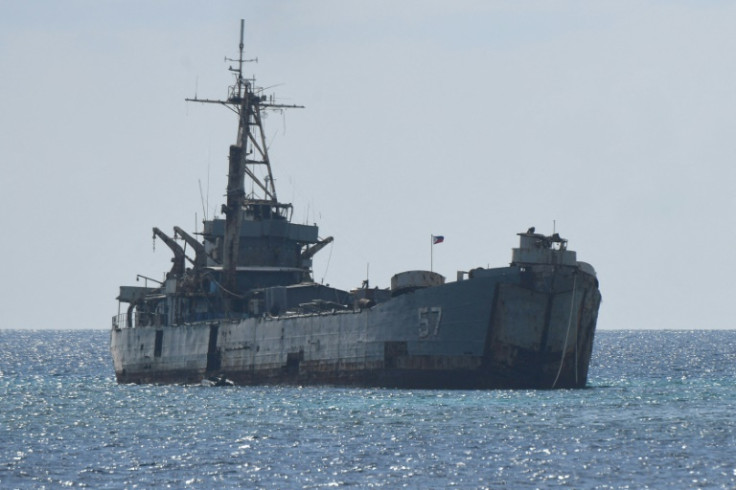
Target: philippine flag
{"x":437,"y":239}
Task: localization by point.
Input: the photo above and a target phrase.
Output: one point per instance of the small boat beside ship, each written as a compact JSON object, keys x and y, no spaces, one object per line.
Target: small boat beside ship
{"x":245,"y":307}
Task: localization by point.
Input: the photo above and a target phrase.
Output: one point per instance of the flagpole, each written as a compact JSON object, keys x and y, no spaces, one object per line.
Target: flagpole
{"x":431,"y":253}
{"x":432,"y":240}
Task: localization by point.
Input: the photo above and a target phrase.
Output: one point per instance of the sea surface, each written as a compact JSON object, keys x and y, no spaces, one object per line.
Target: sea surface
{"x":660,"y":412}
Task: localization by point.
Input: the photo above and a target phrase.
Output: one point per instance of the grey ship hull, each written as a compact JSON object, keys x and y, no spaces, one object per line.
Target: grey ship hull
{"x":511,"y":327}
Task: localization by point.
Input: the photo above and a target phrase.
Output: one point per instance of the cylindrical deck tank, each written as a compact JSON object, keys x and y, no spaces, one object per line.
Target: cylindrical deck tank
{"x":404,"y":282}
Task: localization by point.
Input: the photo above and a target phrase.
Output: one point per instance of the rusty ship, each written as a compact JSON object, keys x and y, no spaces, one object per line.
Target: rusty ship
{"x":241,"y":306}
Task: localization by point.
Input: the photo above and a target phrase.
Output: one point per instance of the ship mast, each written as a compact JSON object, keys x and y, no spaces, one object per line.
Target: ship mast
{"x":248,"y":158}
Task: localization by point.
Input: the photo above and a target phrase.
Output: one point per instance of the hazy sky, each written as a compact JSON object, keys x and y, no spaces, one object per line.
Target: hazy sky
{"x":470,"y":119}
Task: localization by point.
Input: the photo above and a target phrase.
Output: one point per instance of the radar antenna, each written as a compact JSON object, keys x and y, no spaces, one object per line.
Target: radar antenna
{"x":248,"y":158}
{"x":248,"y":101}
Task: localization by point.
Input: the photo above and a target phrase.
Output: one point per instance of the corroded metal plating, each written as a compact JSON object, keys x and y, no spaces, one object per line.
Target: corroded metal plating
{"x":248,"y":310}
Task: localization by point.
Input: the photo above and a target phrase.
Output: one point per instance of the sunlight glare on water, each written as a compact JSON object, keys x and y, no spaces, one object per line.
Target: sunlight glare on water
{"x":659,"y":412}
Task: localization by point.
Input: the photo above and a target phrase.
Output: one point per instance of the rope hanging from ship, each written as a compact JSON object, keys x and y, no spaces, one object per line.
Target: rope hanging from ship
{"x":567,"y":334}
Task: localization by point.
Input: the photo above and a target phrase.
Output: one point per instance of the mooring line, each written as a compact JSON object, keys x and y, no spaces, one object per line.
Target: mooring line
{"x":567,"y":334}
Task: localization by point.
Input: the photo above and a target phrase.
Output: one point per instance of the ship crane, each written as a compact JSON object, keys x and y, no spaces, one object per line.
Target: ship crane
{"x":200,"y":257}
{"x":179,"y":256}
{"x":312,"y":251}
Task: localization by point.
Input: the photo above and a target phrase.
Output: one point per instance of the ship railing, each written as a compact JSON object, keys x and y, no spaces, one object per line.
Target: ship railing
{"x":139,"y":319}
{"x":199,"y":317}
{"x":118,"y":321}
{"x":147,"y":319}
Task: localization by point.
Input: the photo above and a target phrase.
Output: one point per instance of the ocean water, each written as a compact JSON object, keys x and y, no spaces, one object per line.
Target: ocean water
{"x":660,"y":411}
